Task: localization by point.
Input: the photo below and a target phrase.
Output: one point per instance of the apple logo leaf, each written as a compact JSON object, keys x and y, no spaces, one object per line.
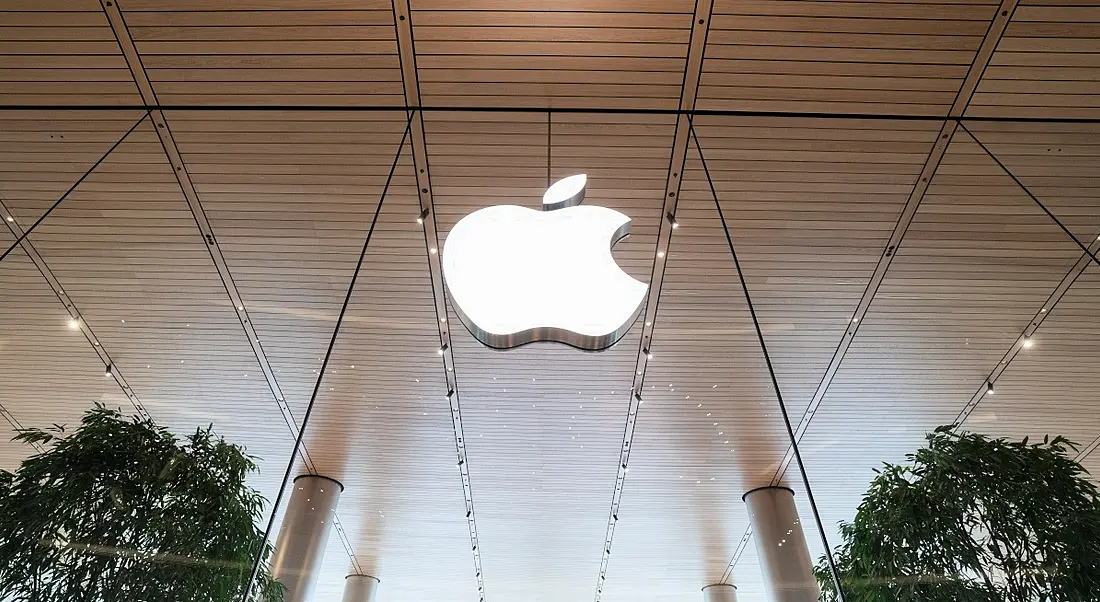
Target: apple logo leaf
{"x":518,"y":276}
{"x":566,"y":192}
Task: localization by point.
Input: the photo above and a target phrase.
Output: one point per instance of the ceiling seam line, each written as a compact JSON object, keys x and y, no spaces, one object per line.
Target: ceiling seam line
{"x":299,"y":440}
{"x":902,"y":117}
{"x":75,"y":315}
{"x":410,"y":82}
{"x":839,"y":591}
{"x":689,"y":91}
{"x":125,"y":41}
{"x":967,"y":89}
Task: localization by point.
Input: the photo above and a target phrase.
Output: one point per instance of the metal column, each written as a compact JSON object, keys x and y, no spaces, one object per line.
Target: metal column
{"x":304,"y":534}
{"x":720,"y":592}
{"x":360,"y":588}
{"x":781,"y":545}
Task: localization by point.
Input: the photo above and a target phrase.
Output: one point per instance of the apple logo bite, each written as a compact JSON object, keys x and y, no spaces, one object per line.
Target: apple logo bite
{"x":517,"y":275}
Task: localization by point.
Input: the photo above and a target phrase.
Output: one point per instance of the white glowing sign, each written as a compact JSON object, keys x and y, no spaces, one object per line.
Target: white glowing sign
{"x":517,"y":275}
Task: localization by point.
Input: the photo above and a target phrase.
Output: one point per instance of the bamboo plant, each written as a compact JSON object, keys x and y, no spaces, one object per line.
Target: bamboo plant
{"x":973,"y":519}
{"x":120,"y":510}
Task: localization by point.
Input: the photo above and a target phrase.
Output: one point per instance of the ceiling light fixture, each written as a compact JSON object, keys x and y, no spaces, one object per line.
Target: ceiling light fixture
{"x":672,"y":220}
{"x":988,"y":388}
{"x":74,"y":323}
{"x":420,"y":218}
{"x":1028,"y":343}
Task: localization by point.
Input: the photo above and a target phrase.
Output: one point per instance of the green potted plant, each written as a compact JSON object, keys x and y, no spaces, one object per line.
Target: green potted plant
{"x":120,"y":510}
{"x":973,"y":519}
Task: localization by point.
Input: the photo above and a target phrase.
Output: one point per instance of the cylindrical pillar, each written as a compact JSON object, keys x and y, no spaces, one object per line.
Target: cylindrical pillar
{"x":304,"y":534}
{"x":720,"y":592}
{"x":360,"y":588}
{"x":781,"y":545}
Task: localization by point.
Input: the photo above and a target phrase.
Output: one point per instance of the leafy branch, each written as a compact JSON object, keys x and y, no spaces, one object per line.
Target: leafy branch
{"x":973,"y":519}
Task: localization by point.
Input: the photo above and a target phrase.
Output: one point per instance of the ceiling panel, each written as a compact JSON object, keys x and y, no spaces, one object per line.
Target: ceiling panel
{"x":810,"y":204}
{"x":561,"y":54}
{"x":37,"y":346}
{"x":845,"y":57}
{"x":43,"y":153}
{"x":1052,"y":388}
{"x":1058,"y":162}
{"x":978,"y":262}
{"x":1047,"y":64}
{"x":290,"y":196}
{"x":127,"y":251}
{"x":265,"y":52}
{"x":57,"y":52}
{"x":544,"y":423}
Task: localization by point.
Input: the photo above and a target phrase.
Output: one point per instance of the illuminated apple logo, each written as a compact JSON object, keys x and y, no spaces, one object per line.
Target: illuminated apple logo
{"x":517,"y":275}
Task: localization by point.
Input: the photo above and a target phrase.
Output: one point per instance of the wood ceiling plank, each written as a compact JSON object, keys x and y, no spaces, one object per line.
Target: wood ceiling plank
{"x":297,"y":19}
{"x":250,"y":5}
{"x":543,"y":19}
{"x":563,"y":63}
{"x":285,"y":33}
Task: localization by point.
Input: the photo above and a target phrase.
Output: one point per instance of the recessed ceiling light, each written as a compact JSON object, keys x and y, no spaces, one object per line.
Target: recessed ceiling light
{"x":74,"y":323}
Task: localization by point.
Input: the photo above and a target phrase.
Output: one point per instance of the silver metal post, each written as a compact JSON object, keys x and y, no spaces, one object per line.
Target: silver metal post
{"x":781,"y":545}
{"x":360,"y":588}
{"x":720,"y":592}
{"x":302,"y":538}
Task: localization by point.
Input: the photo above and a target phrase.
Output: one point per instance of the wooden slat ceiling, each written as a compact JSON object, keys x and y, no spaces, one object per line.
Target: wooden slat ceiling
{"x":978,"y":263}
{"x":266,"y":100}
{"x":1048,"y":63}
{"x":58,"y":52}
{"x":858,"y":57}
{"x":268,"y":53}
{"x":618,"y":53}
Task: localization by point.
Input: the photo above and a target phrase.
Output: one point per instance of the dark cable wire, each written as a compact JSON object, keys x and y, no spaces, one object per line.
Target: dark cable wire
{"x":324,"y":364}
{"x":549,"y":140}
{"x":1033,"y":197}
{"x":771,"y":372}
{"x":939,"y":119}
{"x":28,"y":231}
